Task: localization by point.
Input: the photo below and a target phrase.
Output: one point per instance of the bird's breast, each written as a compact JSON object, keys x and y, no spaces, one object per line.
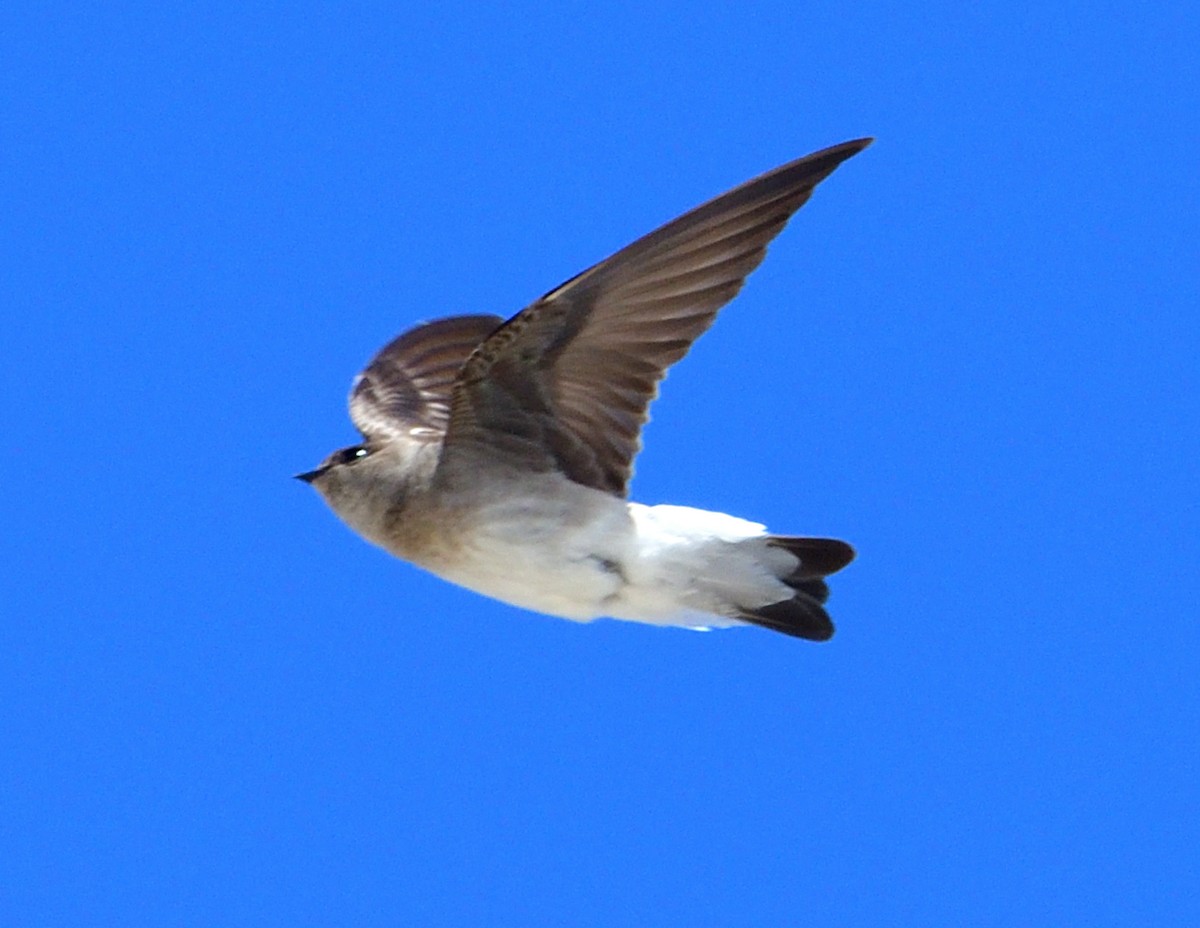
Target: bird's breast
{"x":551,"y":548}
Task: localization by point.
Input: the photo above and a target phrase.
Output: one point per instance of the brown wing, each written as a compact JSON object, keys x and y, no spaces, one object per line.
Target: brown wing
{"x":566,"y":383}
{"x":408,"y":385}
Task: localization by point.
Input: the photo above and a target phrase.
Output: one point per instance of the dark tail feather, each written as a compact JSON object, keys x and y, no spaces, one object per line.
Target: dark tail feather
{"x":817,"y":589}
{"x":802,"y":616}
{"x":819,"y":557}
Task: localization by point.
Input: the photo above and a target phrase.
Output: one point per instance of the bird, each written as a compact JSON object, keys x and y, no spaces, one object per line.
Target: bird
{"x":497,"y":454}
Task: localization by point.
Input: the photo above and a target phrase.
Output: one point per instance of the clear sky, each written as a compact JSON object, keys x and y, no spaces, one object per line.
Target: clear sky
{"x":973,"y":354}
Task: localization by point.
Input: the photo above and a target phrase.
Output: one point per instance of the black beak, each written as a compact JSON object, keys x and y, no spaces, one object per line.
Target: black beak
{"x":310,"y":476}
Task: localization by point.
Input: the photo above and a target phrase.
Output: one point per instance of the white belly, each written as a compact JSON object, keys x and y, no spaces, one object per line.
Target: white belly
{"x":556,"y":554}
{"x":583,"y":554}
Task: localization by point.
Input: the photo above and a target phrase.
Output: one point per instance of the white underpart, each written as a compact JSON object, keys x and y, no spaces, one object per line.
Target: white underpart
{"x":585,"y":557}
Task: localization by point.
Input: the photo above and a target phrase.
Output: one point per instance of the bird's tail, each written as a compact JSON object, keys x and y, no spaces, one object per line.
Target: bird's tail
{"x":803,"y":616}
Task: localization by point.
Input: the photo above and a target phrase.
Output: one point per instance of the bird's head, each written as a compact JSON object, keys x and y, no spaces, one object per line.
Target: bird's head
{"x":363,"y":484}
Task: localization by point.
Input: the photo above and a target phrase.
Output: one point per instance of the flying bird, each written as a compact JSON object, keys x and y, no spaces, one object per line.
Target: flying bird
{"x":498,"y":454}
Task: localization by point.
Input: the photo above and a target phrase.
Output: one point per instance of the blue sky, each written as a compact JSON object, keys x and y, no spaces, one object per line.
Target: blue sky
{"x":973,"y":355}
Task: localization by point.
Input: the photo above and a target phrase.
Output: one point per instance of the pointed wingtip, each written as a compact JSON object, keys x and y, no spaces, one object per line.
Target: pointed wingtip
{"x":842,"y":151}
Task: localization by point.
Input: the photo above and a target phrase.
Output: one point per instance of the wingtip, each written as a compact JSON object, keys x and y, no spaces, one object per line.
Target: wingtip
{"x":817,"y":166}
{"x":844,"y":150}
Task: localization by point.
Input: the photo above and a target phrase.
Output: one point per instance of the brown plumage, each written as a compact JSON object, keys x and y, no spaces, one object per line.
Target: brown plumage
{"x":499,"y":454}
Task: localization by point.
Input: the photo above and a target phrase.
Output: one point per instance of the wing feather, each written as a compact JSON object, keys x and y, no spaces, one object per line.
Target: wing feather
{"x":567,"y":382}
{"x":407,"y":387}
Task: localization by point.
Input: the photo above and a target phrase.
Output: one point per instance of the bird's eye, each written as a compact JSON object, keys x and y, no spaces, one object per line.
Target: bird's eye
{"x":350,"y":455}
